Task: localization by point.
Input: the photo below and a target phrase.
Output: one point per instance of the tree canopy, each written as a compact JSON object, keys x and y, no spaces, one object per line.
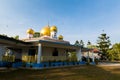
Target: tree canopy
{"x":90,"y":45}
{"x":36,"y":34}
{"x":114,"y":52}
{"x":79,"y":43}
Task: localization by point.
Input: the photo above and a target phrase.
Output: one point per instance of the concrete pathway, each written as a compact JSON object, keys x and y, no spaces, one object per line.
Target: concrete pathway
{"x":108,"y":64}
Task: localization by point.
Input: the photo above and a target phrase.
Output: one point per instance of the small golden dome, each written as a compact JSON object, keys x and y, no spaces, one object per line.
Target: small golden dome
{"x":30,"y":31}
{"x":53,"y":28}
{"x":60,"y":37}
{"x":45,"y":31}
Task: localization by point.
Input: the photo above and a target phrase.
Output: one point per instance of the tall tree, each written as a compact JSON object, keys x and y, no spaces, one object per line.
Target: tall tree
{"x":77,"y":43}
{"x":81,"y":43}
{"x":89,"y":44}
{"x":103,"y":45}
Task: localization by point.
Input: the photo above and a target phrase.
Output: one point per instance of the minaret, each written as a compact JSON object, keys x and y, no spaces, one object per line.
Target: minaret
{"x":30,"y":33}
{"x":53,"y":32}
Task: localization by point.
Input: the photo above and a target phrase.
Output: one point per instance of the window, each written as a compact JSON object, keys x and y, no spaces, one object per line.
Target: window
{"x":31,"y":52}
{"x":55,"y":52}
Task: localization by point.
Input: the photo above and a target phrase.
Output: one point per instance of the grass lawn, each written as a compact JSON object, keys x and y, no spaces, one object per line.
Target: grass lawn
{"x":66,"y":73}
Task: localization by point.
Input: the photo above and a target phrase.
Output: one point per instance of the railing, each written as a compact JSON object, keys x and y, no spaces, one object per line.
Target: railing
{"x":29,"y":58}
{"x":10,"y":58}
{"x":53,"y":58}
{"x":26,"y":58}
{"x":43,"y":58}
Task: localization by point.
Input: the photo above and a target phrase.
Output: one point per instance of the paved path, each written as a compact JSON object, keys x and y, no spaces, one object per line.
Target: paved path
{"x":108,"y":64}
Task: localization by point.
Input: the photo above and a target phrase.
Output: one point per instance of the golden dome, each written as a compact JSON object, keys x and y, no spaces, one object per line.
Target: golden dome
{"x":45,"y":31}
{"x":60,"y":37}
{"x":53,"y":28}
{"x":30,"y":31}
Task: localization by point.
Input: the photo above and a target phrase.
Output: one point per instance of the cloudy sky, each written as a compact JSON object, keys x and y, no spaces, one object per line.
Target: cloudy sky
{"x":76,"y":19}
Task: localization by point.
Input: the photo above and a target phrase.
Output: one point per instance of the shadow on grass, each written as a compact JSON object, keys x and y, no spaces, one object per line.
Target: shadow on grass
{"x":66,"y":73}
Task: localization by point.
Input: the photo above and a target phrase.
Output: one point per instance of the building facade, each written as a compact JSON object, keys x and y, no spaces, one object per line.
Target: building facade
{"x":47,"y":50}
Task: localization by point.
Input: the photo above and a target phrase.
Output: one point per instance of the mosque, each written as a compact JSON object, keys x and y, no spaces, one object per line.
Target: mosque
{"x":47,"y":49}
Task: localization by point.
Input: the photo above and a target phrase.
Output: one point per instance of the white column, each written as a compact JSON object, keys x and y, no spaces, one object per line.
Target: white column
{"x":93,"y":59}
{"x":54,"y":34}
{"x":79,"y":54}
{"x":88,"y":56}
{"x":39,"y":53}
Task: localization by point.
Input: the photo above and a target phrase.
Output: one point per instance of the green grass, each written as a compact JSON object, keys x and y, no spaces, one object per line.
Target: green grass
{"x":66,"y":73}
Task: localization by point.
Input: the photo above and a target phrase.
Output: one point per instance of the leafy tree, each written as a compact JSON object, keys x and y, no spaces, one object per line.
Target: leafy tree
{"x":90,"y":45}
{"x":103,"y":45}
{"x":3,"y":35}
{"x":114,"y":52}
{"x":81,"y":43}
{"x":73,"y":56}
{"x":16,"y":37}
{"x":36,"y":34}
{"x":77,"y":43}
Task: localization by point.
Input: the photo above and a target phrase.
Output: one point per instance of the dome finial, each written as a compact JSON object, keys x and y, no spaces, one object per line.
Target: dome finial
{"x":53,"y":28}
{"x":30,"y":32}
{"x":60,"y":37}
{"x":45,"y":31}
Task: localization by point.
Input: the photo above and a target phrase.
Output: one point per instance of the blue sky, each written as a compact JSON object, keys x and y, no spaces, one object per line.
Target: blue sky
{"x":75,"y":19}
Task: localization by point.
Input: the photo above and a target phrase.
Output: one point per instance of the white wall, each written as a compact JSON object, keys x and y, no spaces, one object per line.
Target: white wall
{"x":62,"y":52}
{"x":18,"y":54}
{"x":47,"y":51}
{"x":85,"y":54}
